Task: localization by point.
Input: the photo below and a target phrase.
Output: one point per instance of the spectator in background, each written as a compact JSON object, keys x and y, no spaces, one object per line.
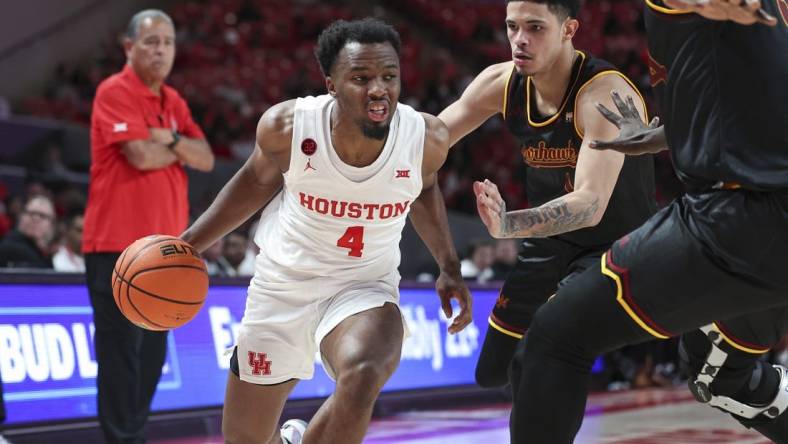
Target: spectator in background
{"x":27,"y":245}
{"x":505,"y":258}
{"x":142,"y":135}
{"x":5,"y":219}
{"x":477,"y":266}
{"x":250,"y":256}
{"x":68,"y":258}
{"x":15,"y":203}
{"x":47,"y":166}
{"x":234,"y":252}
{"x":216,"y":264}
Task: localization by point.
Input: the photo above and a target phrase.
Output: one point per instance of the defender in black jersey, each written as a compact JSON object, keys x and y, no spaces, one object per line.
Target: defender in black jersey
{"x":581,"y":200}
{"x":715,"y":259}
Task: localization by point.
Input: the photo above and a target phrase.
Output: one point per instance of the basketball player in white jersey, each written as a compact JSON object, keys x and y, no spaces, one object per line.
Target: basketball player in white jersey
{"x":350,"y":165}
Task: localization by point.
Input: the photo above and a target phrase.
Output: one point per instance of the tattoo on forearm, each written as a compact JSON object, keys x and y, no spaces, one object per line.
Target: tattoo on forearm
{"x":548,"y":220}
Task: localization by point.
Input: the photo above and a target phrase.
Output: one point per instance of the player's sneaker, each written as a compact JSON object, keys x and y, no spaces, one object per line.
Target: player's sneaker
{"x":292,"y":431}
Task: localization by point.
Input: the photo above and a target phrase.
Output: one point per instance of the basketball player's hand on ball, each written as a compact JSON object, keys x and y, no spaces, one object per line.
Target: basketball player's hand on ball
{"x":743,"y":12}
{"x":451,"y":286}
{"x":491,"y":207}
{"x":634,"y":137}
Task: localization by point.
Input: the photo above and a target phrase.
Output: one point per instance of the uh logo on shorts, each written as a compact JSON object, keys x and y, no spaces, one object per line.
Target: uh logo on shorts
{"x":259,"y":364}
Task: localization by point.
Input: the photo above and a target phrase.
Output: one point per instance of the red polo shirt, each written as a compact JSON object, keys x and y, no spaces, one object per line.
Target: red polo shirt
{"x":125,"y":203}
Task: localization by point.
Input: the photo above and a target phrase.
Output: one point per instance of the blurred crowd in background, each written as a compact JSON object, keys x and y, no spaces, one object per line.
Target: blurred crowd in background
{"x":235,"y":58}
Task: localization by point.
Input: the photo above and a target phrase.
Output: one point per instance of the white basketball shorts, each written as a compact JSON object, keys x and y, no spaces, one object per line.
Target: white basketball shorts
{"x":284,"y":324}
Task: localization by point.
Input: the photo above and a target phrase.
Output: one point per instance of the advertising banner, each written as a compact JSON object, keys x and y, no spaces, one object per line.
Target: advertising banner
{"x":48,"y":366}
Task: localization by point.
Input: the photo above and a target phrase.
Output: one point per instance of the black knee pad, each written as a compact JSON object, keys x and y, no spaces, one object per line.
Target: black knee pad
{"x":492,"y":369}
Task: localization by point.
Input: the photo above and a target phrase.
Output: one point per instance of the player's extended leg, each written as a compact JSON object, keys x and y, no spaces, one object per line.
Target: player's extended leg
{"x":251,"y":411}
{"x":540,"y":265}
{"x":552,"y":365}
{"x":492,"y":368}
{"x":706,"y":257}
{"x":363,"y":351}
{"x":726,"y":370}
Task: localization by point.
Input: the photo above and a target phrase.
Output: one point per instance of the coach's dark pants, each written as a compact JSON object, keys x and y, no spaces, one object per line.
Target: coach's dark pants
{"x":129,"y":358}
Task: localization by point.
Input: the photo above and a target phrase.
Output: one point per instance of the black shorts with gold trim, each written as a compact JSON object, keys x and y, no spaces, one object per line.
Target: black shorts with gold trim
{"x":719,"y":256}
{"x":543,"y":266}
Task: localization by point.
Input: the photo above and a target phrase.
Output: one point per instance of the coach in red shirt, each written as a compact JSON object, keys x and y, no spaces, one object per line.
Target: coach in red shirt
{"x":142,"y":135}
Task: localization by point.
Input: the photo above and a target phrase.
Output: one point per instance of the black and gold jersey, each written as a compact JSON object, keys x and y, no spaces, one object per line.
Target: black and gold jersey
{"x":550,"y":146}
{"x":723,"y":93}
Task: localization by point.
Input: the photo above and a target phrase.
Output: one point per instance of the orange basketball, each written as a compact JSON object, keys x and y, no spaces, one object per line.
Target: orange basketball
{"x":159,"y":282}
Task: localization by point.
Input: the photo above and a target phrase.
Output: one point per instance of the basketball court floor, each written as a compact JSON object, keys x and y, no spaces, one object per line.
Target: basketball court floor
{"x":656,"y":416}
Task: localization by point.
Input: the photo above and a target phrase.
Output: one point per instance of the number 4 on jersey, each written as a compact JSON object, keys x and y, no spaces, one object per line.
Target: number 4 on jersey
{"x":352,"y":239}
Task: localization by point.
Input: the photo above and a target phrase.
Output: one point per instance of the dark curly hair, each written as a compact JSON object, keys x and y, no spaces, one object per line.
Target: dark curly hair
{"x":561,"y":8}
{"x":340,"y":32}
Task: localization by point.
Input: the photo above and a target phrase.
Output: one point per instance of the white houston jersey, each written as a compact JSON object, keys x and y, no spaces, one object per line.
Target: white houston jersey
{"x":334,"y":220}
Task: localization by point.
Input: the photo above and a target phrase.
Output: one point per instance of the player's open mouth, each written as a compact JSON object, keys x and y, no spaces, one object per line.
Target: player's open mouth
{"x":378,"y":111}
{"x":521,"y":59}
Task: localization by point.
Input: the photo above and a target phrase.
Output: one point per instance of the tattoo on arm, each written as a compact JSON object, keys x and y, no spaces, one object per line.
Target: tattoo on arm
{"x":552,"y":218}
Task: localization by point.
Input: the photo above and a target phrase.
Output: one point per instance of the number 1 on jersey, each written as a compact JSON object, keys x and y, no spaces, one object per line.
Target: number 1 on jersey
{"x":352,"y":239}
